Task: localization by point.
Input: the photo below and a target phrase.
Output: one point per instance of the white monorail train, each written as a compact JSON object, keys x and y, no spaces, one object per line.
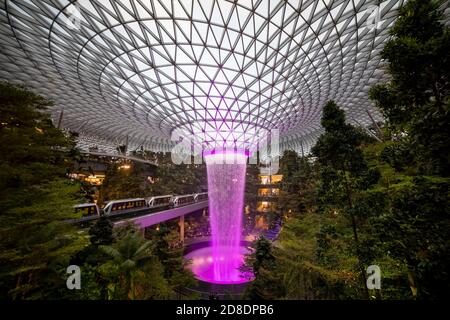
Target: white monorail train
{"x":124,"y":206}
{"x":91,"y":211}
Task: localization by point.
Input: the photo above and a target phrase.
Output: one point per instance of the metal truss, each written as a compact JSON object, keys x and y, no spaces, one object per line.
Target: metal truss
{"x":221,"y":71}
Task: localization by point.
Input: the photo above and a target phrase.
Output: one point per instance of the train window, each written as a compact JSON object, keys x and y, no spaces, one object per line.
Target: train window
{"x":86,"y":211}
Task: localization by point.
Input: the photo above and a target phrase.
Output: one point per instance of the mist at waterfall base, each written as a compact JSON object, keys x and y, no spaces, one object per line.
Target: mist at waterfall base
{"x":220,"y":262}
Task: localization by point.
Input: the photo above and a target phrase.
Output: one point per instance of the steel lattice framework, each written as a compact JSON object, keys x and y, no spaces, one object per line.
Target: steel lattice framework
{"x":213,"y":68}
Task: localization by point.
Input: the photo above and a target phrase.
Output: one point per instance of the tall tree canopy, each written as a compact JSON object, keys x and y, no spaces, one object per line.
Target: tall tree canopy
{"x":35,"y":197}
{"x":416,"y":102}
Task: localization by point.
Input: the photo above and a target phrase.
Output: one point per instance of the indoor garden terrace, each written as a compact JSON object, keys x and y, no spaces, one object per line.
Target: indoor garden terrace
{"x":252,"y":150}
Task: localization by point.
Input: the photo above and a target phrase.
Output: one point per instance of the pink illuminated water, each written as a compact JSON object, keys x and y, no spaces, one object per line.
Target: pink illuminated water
{"x":202,"y":265}
{"x":226,"y":183}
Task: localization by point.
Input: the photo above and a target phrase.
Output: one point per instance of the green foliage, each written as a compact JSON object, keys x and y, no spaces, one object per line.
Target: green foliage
{"x":312,"y":259}
{"x":261,"y":263}
{"x":416,"y":231}
{"x":35,"y":198}
{"x":125,"y":183}
{"x":122,"y":264}
{"x":414,"y":227}
{"x":345,"y":175}
{"x":178,"y":179}
{"x":170,"y":179}
{"x":128,"y":256}
{"x":251,"y":185}
{"x":33,"y":150}
{"x":175,"y":271}
{"x":101,"y":232}
{"x":263,"y":257}
{"x":416,"y":102}
{"x":298,"y":187}
{"x":325,"y":238}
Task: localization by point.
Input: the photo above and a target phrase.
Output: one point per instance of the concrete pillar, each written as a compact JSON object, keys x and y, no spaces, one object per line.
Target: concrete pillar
{"x":181,"y":224}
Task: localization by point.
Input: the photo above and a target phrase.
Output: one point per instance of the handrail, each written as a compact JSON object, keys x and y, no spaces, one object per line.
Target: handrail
{"x":104,"y":154}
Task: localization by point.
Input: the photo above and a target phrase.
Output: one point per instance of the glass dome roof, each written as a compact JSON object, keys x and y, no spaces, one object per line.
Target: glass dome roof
{"x":221,"y":71}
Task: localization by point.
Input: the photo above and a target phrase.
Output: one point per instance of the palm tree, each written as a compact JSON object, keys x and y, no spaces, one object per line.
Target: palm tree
{"x":129,"y":255}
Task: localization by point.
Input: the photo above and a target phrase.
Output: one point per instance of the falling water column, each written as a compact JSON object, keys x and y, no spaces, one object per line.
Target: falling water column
{"x":226,"y":184}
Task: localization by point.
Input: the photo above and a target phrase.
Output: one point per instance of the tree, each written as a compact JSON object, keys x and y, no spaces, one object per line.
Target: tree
{"x":289,"y":199}
{"x":35,"y":197}
{"x":132,"y":256}
{"x":172,"y":259}
{"x":177,"y":178}
{"x":298,"y":188}
{"x":416,"y":101}
{"x":102,"y":232}
{"x":95,"y":284}
{"x":251,"y":185}
{"x":261,"y":263}
{"x":169,"y":179}
{"x":122,"y":183}
{"x":344,"y":171}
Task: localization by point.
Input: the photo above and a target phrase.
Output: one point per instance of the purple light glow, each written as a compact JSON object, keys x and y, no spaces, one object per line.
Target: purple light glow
{"x":227,"y":152}
{"x":203,"y":266}
{"x":226,"y":183}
